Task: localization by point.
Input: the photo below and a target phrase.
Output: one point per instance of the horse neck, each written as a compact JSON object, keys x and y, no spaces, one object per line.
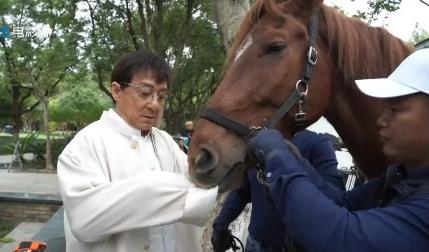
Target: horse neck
{"x":358,"y":52}
{"x":354,"y":116}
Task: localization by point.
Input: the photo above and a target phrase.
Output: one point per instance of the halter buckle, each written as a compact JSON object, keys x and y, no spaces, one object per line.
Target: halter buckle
{"x":312,"y":55}
{"x":300,"y":116}
{"x":301,"y":87}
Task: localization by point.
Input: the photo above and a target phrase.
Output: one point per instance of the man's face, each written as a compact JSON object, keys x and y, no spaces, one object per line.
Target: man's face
{"x":404,"y":129}
{"x":140,"y":107}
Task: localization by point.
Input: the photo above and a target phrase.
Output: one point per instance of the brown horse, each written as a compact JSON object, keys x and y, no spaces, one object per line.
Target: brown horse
{"x":266,"y":61}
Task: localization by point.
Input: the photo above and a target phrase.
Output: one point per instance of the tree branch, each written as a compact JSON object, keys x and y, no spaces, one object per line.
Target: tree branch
{"x":101,"y":85}
{"x":130,"y":25}
{"x":31,"y":108}
{"x":59,"y":79}
{"x":423,"y":2}
{"x":143,"y":24}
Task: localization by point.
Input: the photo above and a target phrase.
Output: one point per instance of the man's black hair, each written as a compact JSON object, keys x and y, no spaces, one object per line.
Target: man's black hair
{"x":141,"y":61}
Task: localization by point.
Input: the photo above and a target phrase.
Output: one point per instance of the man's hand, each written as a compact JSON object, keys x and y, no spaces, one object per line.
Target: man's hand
{"x":221,"y":238}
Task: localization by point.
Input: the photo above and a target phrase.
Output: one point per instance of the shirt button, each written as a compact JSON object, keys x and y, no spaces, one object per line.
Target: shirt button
{"x":146,"y":247}
{"x":269,"y":175}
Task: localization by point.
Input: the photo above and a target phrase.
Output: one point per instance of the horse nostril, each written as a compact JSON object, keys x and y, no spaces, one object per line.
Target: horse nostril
{"x":205,"y":161}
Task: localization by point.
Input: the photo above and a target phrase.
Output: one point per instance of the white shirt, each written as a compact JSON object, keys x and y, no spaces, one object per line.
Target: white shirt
{"x":124,"y":192}
{"x":147,"y":150}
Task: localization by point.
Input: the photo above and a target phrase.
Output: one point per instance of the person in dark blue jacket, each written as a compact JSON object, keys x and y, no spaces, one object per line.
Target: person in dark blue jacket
{"x":389,"y":213}
{"x":266,"y":230}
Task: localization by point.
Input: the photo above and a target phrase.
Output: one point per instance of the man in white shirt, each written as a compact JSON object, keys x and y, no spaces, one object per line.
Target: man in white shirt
{"x":124,"y":182}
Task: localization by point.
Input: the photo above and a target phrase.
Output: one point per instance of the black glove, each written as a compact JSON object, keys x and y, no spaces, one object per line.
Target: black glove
{"x":267,"y":141}
{"x":221,"y":238}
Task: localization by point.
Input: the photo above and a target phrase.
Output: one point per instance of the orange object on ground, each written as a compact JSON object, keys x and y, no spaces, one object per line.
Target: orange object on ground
{"x":31,"y":246}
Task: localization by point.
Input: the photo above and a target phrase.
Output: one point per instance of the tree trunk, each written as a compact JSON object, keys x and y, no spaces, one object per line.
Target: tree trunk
{"x":229,"y":14}
{"x":45,"y":102}
{"x":16,"y":119}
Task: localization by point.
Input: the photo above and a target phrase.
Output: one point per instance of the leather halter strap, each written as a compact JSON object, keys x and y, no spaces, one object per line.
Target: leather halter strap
{"x":298,"y":94}
{"x":216,"y":117}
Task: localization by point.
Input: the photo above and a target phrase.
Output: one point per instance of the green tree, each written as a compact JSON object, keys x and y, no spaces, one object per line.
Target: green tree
{"x":419,"y":34}
{"x":81,"y":104}
{"x":424,"y":2}
{"x":13,"y":81}
{"x":182,"y":31}
{"x":36,"y":63}
{"x":377,"y":8}
{"x":54,"y":58}
{"x":5,"y":102}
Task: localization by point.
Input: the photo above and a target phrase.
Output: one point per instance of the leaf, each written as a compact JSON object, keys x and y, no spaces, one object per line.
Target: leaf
{"x":6,"y":240}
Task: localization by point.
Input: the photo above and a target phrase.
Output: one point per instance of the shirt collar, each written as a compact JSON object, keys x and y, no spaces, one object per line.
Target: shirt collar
{"x":410,"y":180}
{"x":114,"y":121}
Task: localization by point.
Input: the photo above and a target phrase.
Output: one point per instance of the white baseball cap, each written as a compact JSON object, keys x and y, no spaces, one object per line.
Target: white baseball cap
{"x":411,"y":76}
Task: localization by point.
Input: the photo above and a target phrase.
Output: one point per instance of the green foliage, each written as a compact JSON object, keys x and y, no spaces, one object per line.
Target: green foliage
{"x":419,"y":34}
{"x":4,"y":141}
{"x":5,"y":228}
{"x":378,"y":7}
{"x":6,"y":240}
{"x":34,"y":143}
{"x":88,"y":38}
{"x":27,"y":144}
{"x":5,"y":102}
{"x":182,"y":31}
{"x":81,"y":105}
{"x":38,"y":148}
{"x":198,"y":74}
{"x":34,"y":63}
{"x":58,"y":146}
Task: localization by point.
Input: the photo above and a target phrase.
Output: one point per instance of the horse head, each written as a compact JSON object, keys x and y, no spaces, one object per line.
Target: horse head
{"x":266,"y":66}
{"x":281,"y":57}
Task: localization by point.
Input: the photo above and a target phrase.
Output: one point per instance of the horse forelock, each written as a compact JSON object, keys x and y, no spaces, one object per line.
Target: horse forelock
{"x":256,"y":12}
{"x":361,"y":51}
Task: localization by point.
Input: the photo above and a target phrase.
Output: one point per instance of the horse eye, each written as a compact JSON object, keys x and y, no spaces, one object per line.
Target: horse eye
{"x":275,"y":48}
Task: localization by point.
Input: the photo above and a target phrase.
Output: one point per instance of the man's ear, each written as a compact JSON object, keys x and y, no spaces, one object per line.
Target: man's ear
{"x":116,"y":91}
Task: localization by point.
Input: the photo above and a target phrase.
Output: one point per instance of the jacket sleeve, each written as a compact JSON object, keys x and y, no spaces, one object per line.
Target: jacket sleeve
{"x":321,"y":225}
{"x":323,"y":158}
{"x":234,"y":204}
{"x":97,"y":207}
{"x":322,"y":171}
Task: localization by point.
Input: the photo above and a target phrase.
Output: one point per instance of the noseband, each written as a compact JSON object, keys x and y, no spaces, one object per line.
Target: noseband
{"x":298,"y":96}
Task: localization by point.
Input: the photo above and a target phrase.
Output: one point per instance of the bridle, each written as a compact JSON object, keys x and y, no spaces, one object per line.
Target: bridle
{"x":298,"y":96}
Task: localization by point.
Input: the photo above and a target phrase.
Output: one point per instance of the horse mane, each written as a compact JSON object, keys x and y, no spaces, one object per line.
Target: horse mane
{"x":359,"y":50}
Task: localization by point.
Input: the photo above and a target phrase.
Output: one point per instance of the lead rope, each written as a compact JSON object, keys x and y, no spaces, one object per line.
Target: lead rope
{"x":234,"y":246}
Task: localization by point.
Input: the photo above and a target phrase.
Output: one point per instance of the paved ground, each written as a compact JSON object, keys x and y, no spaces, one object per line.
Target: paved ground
{"x":43,"y":185}
{"x":35,"y":183}
{"x":24,"y":231}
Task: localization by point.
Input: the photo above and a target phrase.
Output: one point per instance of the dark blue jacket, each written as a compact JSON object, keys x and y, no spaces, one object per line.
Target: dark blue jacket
{"x":265,"y":224}
{"x":325,"y":220}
